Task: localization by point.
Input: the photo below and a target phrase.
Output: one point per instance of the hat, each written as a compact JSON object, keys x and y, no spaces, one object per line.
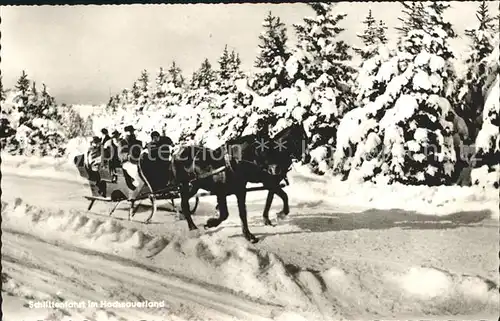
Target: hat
{"x":155,"y":134}
{"x":96,"y":140}
{"x":129,"y":128}
{"x":115,"y":133}
{"x":104,"y":131}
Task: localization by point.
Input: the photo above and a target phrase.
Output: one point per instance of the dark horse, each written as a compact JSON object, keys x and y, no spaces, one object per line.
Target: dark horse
{"x":227,"y":170}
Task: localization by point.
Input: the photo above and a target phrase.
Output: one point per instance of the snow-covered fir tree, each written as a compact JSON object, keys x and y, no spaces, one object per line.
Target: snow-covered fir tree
{"x":2,"y":90}
{"x":487,"y":142}
{"x":204,"y":77}
{"x":235,"y":66}
{"x":173,"y":88}
{"x":373,"y":35}
{"x":114,"y":103}
{"x":143,"y":88}
{"x":229,"y":71}
{"x":134,"y":94}
{"x":35,"y":118}
{"x":160,"y":82}
{"x":373,"y":52}
{"x":322,"y":81}
{"x":75,"y":124}
{"x":270,"y":73}
{"x":406,"y":133}
{"x":22,"y":87}
{"x":469,"y":94}
{"x":6,"y":128}
{"x":198,"y":102}
{"x":233,"y":115}
{"x":413,"y":18}
{"x":175,"y":75}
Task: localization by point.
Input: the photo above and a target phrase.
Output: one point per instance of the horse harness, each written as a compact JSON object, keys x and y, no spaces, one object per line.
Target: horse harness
{"x":229,"y":162}
{"x":228,"y":158}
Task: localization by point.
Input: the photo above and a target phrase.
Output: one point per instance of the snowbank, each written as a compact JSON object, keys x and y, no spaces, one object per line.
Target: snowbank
{"x":233,"y":264}
{"x":434,"y":200}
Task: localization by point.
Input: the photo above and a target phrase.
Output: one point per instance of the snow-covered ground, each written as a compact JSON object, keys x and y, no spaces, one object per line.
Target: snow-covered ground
{"x":346,"y":251}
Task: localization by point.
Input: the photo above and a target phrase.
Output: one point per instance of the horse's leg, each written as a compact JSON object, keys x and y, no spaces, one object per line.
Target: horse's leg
{"x":223,"y":212}
{"x":267,"y":207}
{"x":242,"y":207}
{"x":185,"y":196}
{"x":286,"y":206}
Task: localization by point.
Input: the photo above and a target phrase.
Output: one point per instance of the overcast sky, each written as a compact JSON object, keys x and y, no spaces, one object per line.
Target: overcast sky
{"x":83,"y":53}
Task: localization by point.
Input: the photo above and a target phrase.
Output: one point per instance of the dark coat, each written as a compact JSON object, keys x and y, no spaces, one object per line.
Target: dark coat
{"x":161,"y":146}
{"x":105,"y":139}
{"x":130,"y":149}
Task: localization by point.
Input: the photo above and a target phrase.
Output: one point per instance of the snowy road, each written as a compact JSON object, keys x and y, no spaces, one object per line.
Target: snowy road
{"x":323,"y":262}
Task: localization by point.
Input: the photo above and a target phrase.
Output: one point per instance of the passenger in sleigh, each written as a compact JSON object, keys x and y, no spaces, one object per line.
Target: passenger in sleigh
{"x":111,"y":159}
{"x":159,"y":146}
{"x":129,"y":151}
{"x":92,"y":158}
{"x":156,"y":166}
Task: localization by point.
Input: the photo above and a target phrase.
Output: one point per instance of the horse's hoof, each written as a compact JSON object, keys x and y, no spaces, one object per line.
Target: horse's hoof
{"x":195,"y":233}
{"x":147,"y":221}
{"x":253,"y":240}
{"x":281,"y":215}
{"x":211,"y":222}
{"x":268,"y":222}
{"x":206,"y":227}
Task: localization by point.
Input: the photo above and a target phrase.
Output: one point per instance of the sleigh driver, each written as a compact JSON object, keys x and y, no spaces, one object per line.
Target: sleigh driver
{"x":129,"y":151}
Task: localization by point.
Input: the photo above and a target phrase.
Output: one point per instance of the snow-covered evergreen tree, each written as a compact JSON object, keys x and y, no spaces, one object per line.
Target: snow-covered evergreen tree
{"x":322,"y":80}
{"x":235,"y":66}
{"x":6,"y":128}
{"x":470,"y":99}
{"x":373,"y":52}
{"x":114,"y":103}
{"x":204,"y":77}
{"x":406,"y":133}
{"x":134,"y":94}
{"x":175,"y":75}
{"x":35,"y":118}
{"x":2,"y":90}
{"x":270,"y":73}
{"x":229,"y":71}
{"x":160,"y":82}
{"x":75,"y":124}
{"x":413,"y":18}
{"x":143,"y":87}
{"x":372,"y":37}
{"x":487,"y":142}
{"x":173,"y":88}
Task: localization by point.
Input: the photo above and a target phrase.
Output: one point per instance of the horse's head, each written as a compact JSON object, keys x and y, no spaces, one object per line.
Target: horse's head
{"x":293,"y":141}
